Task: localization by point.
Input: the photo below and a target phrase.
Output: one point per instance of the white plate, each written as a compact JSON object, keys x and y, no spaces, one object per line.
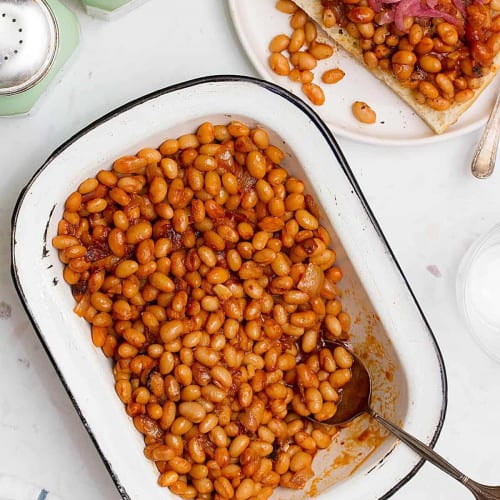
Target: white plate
{"x":257,"y":22}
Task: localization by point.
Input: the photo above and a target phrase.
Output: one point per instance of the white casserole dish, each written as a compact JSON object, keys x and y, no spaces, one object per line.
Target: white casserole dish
{"x":389,"y":330}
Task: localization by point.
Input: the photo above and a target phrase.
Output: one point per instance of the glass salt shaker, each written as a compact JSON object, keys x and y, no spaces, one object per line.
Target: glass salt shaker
{"x":37,"y":37}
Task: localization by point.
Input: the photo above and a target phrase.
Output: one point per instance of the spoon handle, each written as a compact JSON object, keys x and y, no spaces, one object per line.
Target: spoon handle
{"x":483,"y":162}
{"x":422,"y":449}
{"x":480,"y":491}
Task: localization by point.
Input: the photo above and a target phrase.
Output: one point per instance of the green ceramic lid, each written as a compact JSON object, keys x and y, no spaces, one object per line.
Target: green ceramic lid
{"x":108,"y":5}
{"x":108,"y":9}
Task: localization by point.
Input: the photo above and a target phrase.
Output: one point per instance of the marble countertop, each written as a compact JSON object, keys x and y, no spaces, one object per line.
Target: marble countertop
{"x":424,"y":198}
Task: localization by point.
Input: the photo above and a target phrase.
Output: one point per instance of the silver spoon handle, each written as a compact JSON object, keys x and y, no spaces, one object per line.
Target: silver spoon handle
{"x":483,"y":162}
{"x":422,"y":449}
{"x":481,"y":492}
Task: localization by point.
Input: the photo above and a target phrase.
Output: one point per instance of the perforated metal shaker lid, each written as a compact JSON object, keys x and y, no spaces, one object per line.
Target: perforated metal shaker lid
{"x":28,"y":43}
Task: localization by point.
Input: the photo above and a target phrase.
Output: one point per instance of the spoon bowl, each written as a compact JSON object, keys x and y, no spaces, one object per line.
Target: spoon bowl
{"x":356,"y":399}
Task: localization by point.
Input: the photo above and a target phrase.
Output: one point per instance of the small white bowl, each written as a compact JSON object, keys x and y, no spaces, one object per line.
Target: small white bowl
{"x":478,"y":291}
{"x":389,"y":330}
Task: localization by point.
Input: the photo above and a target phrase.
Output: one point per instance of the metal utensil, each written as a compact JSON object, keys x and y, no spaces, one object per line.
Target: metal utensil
{"x":483,"y":162}
{"x":356,"y":400}
{"x":28,"y":43}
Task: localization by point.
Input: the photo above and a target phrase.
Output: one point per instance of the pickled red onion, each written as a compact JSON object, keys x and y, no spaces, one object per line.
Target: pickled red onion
{"x":416,"y":8}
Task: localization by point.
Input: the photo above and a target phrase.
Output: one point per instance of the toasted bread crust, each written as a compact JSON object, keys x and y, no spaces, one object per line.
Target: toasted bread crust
{"x":438,"y":121}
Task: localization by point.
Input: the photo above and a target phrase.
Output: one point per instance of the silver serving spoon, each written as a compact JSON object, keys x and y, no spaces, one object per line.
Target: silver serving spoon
{"x":356,"y":400}
{"x":483,"y":162}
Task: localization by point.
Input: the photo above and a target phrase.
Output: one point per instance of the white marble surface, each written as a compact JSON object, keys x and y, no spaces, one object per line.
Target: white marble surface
{"x":424,"y":198}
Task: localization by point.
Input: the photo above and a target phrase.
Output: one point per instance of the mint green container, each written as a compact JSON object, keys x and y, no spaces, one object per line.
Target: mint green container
{"x":109,"y":9}
{"x":22,"y":24}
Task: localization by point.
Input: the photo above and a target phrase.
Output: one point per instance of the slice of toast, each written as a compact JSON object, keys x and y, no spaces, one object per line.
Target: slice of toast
{"x":438,"y":121}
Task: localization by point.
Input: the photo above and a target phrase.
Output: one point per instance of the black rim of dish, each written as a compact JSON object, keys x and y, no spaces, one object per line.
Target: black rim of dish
{"x":330,"y":139}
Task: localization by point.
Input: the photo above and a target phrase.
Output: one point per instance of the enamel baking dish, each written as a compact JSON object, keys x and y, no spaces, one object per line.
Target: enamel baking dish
{"x":389,"y":330}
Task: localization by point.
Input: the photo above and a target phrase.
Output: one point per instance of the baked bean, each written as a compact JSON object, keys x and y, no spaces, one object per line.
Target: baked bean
{"x":279,"y":64}
{"x":217,"y":275}
{"x":213,"y":393}
{"x":361,"y":15}
{"x":363,"y":112}
{"x":328,"y":392}
{"x":306,"y":219}
{"x":320,"y":50}
{"x":279,"y":43}
{"x":300,"y":460}
{"x":305,"y":441}
{"x":62,"y":242}
{"x":183,"y":374}
{"x":310,"y":31}
{"x":493,"y":42}
{"x":305,"y":61}
{"x":424,"y":46}
{"x":370,"y":58}
{"x":187,"y":141}
{"x":464,"y":95}
{"x":245,"y":489}
{"x":205,"y":133}
{"x":313,"y":400}
{"x":126,"y":268}
{"x":223,"y":487}
{"x":327,"y":411}
{"x":321,"y":438}
{"x":222,"y":376}
{"x":329,"y":18}
{"x":168,"y":478}
{"x":439,"y":103}
{"x":180,"y":426}
{"x":333,"y":325}
{"x":305,"y":319}
{"x":430,"y":63}
{"x":342,"y":357}
{"x":193,"y":306}
{"x":404,"y":57}
{"x":332,"y":76}
{"x":352,"y":29}
{"x":340,"y":377}
{"x":298,"y":19}
{"x":448,"y":33}
{"x":88,"y":185}
{"x":379,"y":35}
{"x":151,"y":155}
{"x":428,"y":89}
{"x":129,"y":164}
{"x":74,"y":202}
{"x":445,"y":84}
{"x":367,"y":31}
{"x":169,"y":147}
{"x":297,"y":40}
{"x":171,"y":330}
{"x":138,"y":232}
{"x":256,"y":164}
{"x":190,"y":393}
{"x":239,"y":445}
{"x":286,"y":6}
{"x":314,"y":93}
{"x":96,"y":205}
{"x":192,"y":411}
